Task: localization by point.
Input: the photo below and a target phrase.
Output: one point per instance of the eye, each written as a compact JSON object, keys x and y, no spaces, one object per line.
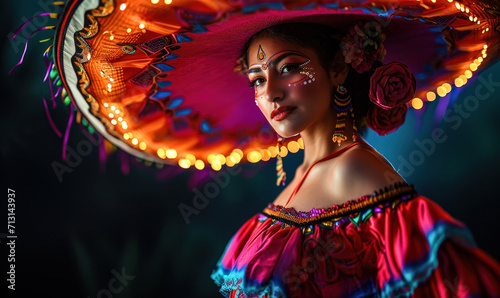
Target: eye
{"x":288,"y":68}
{"x":256,"y":82}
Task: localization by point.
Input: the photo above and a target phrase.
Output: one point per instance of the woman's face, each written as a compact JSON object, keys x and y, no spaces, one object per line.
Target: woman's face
{"x":292,"y":88}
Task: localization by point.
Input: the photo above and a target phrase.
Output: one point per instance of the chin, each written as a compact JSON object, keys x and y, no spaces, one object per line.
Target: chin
{"x":287,"y":131}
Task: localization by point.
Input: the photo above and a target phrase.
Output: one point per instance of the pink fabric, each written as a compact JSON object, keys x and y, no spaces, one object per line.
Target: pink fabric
{"x":414,"y":249}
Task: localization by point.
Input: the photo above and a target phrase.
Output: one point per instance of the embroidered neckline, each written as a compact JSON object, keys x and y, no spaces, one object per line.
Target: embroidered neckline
{"x":336,"y":212}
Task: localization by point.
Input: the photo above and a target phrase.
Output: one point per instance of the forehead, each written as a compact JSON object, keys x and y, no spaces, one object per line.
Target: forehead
{"x":271,"y":45}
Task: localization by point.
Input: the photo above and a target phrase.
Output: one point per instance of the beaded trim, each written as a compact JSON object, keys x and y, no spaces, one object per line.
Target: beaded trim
{"x":335,"y":213}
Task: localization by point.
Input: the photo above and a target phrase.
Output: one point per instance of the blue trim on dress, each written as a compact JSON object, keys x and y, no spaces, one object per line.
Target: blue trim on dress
{"x":418,"y":273}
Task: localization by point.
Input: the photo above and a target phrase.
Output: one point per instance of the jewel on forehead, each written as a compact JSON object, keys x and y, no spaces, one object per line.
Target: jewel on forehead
{"x":260,"y":54}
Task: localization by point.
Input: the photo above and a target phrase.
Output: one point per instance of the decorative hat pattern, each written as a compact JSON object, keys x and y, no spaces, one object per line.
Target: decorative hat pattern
{"x":156,"y":78}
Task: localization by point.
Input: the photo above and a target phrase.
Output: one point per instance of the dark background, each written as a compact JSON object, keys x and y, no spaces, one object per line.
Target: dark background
{"x":73,"y":234}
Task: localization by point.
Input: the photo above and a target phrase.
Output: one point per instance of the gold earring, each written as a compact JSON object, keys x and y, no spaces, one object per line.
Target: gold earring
{"x":342,"y":103}
{"x":280,"y":173}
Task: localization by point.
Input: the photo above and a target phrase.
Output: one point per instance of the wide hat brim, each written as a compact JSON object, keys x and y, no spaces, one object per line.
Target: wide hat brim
{"x":157,"y":80}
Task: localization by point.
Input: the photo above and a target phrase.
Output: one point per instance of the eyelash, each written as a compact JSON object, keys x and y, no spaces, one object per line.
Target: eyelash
{"x":251,"y":84}
{"x":294,"y":66}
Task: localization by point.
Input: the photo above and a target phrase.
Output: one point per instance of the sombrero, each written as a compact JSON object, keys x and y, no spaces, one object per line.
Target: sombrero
{"x":156,"y":78}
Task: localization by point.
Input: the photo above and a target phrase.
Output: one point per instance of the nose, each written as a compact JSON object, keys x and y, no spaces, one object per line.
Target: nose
{"x":274,"y":91}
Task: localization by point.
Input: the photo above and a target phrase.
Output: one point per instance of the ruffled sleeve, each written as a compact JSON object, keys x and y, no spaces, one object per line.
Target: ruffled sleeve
{"x":390,"y":244}
{"x":431,"y":254}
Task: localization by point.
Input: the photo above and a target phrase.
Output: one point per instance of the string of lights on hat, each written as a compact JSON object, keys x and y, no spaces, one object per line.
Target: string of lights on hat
{"x":117,"y":115}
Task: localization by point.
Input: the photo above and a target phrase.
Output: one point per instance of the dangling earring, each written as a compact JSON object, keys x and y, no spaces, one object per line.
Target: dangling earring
{"x":342,"y":103}
{"x":280,"y":173}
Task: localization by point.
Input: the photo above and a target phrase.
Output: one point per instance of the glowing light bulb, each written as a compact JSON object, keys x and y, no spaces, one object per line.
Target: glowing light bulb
{"x":216,"y":165}
{"x":191,"y":158}
{"x":221,"y":158}
{"x":293,"y":146}
{"x":468,"y":74}
{"x":273,"y":150}
{"x":123,"y":6}
{"x":441,"y":91}
{"x":447,"y":87}
{"x":464,"y":79}
{"x":143,"y":146}
{"x":431,"y":96}
{"x":283,"y":151}
{"x":161,"y":153}
{"x":199,"y":164}
{"x":417,"y":103}
{"x":240,"y":153}
{"x":184,"y":163}
{"x":135,"y":141}
{"x":234,"y":157}
{"x":171,"y":153}
{"x":141,"y":26}
{"x":301,"y":143}
{"x":254,"y":156}
{"x":211,"y":158}
{"x":230,"y":161}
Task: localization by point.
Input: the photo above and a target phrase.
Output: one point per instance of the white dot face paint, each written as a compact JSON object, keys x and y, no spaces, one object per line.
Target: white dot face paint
{"x":307,"y":77}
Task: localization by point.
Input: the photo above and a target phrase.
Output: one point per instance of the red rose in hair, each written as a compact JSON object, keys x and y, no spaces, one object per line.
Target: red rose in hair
{"x":392,"y":85}
{"x":385,"y":121}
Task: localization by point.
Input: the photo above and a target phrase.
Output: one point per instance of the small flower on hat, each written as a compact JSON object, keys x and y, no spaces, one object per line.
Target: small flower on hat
{"x":384,"y":121}
{"x":392,"y":85}
{"x":363,"y":45}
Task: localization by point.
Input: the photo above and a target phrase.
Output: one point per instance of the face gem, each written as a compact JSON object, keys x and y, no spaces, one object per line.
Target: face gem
{"x":260,"y":53}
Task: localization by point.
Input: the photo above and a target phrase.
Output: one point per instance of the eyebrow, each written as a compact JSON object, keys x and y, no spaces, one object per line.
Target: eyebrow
{"x":283,"y":56}
{"x":254,"y":70}
{"x":270,"y":62}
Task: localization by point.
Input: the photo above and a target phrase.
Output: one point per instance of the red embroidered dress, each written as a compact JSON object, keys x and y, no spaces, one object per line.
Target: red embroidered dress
{"x":391,"y":243}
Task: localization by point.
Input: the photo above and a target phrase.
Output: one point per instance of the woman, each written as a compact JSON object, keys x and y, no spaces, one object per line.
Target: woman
{"x":326,"y":235}
{"x":156,"y":80}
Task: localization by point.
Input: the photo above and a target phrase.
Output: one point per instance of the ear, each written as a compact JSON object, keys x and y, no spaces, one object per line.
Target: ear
{"x":338,"y":69}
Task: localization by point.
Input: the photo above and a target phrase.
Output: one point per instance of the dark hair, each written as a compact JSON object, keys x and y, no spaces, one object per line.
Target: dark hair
{"x":325,"y":42}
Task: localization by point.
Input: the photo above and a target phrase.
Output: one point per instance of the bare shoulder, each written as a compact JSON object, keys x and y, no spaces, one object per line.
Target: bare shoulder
{"x":360,"y":171}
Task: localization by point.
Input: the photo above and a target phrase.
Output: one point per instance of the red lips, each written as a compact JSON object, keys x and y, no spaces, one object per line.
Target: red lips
{"x":280,"y":110}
